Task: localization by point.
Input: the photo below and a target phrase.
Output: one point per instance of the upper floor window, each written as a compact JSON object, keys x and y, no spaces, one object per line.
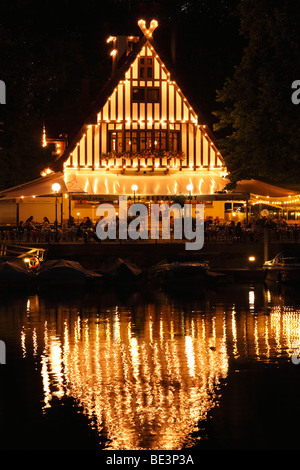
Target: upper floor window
{"x":142,"y":95}
{"x":153,"y":95}
{"x":138,"y":95}
{"x":141,"y":140}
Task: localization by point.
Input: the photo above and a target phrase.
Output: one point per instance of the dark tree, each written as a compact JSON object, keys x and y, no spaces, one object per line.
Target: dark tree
{"x":257,"y":120}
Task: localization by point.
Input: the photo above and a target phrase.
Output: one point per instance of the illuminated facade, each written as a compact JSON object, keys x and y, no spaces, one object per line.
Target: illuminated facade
{"x":141,"y":130}
{"x":141,"y":126}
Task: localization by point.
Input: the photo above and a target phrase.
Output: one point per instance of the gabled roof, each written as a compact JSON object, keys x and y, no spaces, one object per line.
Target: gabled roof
{"x":101,"y":99}
{"x":105,"y":93}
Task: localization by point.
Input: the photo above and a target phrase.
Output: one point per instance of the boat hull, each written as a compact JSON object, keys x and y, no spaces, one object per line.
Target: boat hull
{"x":178,"y":274}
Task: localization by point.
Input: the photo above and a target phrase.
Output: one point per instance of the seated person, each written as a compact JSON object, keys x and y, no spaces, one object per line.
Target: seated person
{"x":29,"y":223}
{"x":46,"y":223}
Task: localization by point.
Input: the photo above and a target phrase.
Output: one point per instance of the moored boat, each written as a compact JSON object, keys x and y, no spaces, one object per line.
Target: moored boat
{"x":13,"y":272}
{"x":185,"y":272}
{"x":64,"y":272}
{"x":285,"y":267}
{"x":120,"y":271}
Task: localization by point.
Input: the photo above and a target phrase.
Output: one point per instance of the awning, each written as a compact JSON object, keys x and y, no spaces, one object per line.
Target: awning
{"x":262,"y":189}
{"x":204,"y":182}
{"x":39,"y":187}
{"x":108,"y":183}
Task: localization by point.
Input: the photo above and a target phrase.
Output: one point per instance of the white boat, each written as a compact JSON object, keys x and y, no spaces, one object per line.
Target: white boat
{"x":285,"y":267}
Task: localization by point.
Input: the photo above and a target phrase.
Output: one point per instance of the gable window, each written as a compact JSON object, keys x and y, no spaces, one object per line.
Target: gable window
{"x":142,"y":68}
{"x":149,"y":67}
{"x":143,"y":95}
{"x":146,"y":68}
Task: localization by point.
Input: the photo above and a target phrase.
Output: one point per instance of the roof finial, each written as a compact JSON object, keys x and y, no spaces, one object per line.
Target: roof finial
{"x":147,"y":31}
{"x":44,"y":138}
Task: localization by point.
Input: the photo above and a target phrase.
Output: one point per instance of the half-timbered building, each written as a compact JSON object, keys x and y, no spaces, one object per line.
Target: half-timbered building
{"x":141,"y":136}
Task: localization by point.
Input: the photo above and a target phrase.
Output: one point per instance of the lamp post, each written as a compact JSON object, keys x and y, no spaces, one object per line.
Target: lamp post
{"x":190,"y":189}
{"x":55,"y":189}
{"x":134,"y":189}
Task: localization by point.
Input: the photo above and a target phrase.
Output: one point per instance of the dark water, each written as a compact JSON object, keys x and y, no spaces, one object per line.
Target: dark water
{"x":151,"y":370}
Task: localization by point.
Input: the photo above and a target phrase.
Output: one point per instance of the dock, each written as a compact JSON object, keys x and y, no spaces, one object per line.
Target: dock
{"x":245,"y":259}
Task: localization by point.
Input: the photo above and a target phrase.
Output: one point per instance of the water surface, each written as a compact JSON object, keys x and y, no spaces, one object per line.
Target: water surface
{"x":150,"y":370}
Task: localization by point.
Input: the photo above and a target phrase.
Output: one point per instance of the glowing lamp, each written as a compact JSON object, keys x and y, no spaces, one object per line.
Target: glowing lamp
{"x":110,"y":39}
{"x":56,"y":187}
{"x":134,"y":189}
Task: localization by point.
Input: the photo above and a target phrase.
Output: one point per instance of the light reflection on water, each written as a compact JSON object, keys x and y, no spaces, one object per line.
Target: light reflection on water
{"x":147,"y":372}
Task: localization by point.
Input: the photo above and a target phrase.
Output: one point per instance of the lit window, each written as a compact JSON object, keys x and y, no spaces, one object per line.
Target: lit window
{"x":136,"y":141}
